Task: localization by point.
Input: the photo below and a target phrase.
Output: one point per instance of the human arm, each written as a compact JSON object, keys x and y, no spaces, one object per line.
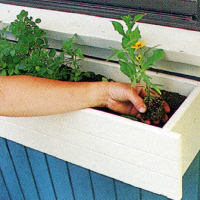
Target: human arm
{"x":33,"y":96}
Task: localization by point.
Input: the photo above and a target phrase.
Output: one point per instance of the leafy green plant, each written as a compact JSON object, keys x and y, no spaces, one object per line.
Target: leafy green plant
{"x":30,"y":54}
{"x":134,"y":57}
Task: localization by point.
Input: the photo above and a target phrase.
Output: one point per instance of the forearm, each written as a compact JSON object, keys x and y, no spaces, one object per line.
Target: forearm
{"x":31,"y":96}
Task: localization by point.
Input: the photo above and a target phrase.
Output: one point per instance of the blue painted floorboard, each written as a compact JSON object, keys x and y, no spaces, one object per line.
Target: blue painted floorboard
{"x":26,"y":174}
{"x":81,"y":182}
{"x":127,"y":192}
{"x":23,"y":170}
{"x":191,"y":181}
{"x":104,"y":187}
{"x":60,"y":177}
{"x":4,"y":194}
{"x":145,"y":195}
{"x":9,"y":173}
{"x":41,"y":174}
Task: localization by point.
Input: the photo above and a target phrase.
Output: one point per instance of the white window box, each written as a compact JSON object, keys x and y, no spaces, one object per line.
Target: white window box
{"x":142,"y":155}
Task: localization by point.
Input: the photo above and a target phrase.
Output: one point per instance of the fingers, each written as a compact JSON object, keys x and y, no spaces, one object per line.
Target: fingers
{"x":138,"y":102}
{"x":164,"y":118}
{"x":166,"y":107}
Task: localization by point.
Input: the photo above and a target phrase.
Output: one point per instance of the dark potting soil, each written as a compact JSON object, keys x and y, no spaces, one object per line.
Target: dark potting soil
{"x":155,"y":110}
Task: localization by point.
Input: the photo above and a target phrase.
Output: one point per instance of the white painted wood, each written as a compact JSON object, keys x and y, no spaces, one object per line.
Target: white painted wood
{"x":93,"y":160}
{"x":187,"y":122}
{"x":135,"y":153}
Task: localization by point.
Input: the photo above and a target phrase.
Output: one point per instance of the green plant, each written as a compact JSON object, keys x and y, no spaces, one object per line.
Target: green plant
{"x":134,"y":57}
{"x":30,"y":54}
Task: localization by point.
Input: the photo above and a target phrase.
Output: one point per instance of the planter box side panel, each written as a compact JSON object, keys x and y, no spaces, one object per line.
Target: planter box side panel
{"x":187,"y":124}
{"x":101,"y":162}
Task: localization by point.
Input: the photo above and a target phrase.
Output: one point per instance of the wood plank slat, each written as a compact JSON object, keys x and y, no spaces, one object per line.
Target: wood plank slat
{"x":4,"y":194}
{"x":104,"y":187}
{"x":23,"y":170}
{"x":127,"y":191}
{"x":145,"y":195}
{"x":191,"y":180}
{"x":41,"y":174}
{"x":81,"y":182}
{"x":9,"y":172}
{"x":60,"y":178}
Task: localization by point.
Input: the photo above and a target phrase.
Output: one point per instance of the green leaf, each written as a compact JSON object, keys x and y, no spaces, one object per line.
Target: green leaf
{"x":4,"y":30}
{"x":118,"y":27}
{"x":104,"y":79}
{"x":46,"y":41}
{"x":3,"y":73}
{"x":4,"y":65}
{"x":17,"y":72}
{"x":135,"y":35}
{"x":138,"y":17}
{"x":1,"y":55}
{"x":115,"y":54}
{"x":67,"y":46}
{"x":42,"y":70}
{"x":49,"y":71}
{"x":12,"y":52}
{"x":11,"y":71}
{"x":127,"y":19}
{"x":131,"y":117}
{"x":40,"y":41}
{"x":122,"y":56}
{"x":6,"y":50}
{"x":156,"y":88}
{"x":24,"y":13}
{"x":22,"y":67}
{"x":52,"y":53}
{"x":157,"y":54}
{"x":38,"y":20}
{"x":78,"y":52}
{"x":125,"y":42}
{"x":44,"y":52}
{"x":126,"y":69}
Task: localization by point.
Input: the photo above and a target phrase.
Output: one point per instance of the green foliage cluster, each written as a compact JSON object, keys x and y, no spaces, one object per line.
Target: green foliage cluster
{"x":30,"y":54}
{"x":134,"y":57}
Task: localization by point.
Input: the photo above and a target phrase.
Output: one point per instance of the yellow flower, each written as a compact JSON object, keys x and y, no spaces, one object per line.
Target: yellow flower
{"x":138,"y":45}
{"x":138,"y":57}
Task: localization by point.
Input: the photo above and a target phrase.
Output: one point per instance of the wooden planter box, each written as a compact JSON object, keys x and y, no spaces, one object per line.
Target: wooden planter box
{"x":142,"y":155}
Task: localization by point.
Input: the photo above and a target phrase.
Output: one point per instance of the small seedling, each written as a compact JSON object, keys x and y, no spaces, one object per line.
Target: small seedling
{"x":135,"y":58}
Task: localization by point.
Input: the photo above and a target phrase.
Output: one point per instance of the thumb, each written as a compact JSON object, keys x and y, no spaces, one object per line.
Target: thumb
{"x":137,"y":101}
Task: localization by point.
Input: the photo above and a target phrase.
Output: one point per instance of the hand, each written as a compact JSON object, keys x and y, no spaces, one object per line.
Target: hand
{"x":128,"y":101}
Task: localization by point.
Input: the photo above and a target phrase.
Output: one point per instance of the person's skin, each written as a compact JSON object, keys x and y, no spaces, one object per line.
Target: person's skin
{"x":23,"y":96}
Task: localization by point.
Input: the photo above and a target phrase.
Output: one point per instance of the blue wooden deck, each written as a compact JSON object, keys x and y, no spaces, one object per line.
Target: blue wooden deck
{"x":31,"y":175}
